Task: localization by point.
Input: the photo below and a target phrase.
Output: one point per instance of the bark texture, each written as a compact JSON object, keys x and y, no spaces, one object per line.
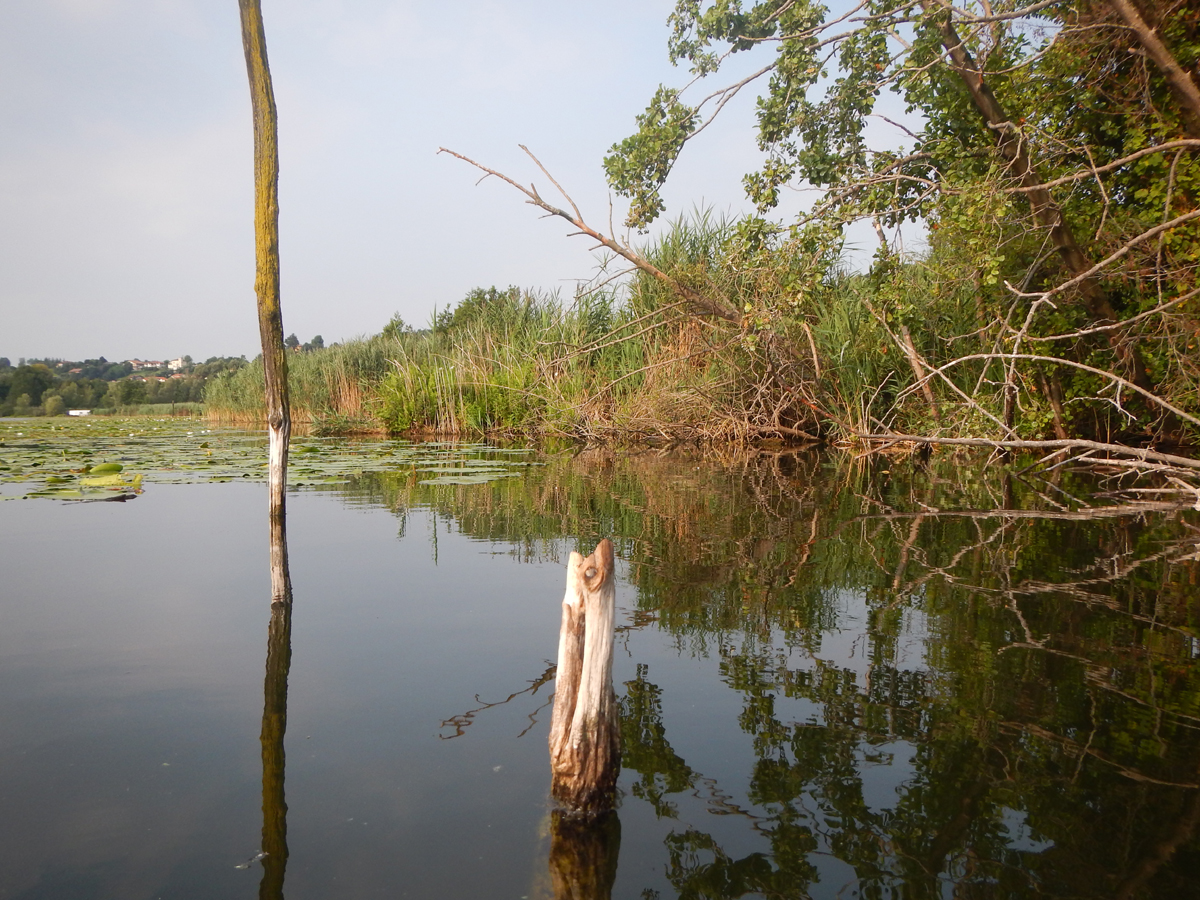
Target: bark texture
{"x":266,"y":243}
{"x":585,"y":737}
{"x":1183,"y":86}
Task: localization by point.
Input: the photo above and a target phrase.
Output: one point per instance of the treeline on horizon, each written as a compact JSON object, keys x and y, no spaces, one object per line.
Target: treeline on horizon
{"x":51,"y":387}
{"x":31,"y":387}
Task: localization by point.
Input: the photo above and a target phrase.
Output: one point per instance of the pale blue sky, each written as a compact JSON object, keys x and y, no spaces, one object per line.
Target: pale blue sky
{"x":125,"y":161}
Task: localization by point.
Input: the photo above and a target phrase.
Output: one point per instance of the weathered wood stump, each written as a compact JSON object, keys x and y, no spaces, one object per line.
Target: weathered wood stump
{"x":585,"y":737}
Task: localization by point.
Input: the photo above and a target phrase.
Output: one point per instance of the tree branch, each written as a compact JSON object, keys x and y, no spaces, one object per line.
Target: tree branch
{"x":703,"y":305}
{"x":1182,"y":86}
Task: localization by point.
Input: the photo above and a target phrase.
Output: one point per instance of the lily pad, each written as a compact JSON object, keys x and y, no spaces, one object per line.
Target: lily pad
{"x":51,"y":458}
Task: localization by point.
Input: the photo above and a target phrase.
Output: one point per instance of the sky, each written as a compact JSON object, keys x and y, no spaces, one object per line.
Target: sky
{"x":126,"y":180}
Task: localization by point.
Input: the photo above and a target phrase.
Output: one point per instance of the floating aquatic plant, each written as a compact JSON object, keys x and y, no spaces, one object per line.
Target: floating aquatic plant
{"x":74,"y":459}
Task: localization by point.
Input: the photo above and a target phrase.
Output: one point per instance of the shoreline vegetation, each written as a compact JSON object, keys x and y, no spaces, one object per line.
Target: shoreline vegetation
{"x":56,"y":387}
{"x":1051,"y":166}
{"x":905,"y":349}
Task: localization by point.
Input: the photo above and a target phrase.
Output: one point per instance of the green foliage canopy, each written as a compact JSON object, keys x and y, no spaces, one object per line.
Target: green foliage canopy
{"x":1068,"y":74}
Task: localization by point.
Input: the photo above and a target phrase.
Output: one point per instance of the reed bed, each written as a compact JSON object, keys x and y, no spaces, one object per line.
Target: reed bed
{"x":821,"y":353}
{"x":613,"y":365}
{"x":187,"y":409}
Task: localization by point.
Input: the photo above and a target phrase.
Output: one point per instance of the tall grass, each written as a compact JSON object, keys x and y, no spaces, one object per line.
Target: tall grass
{"x":820,"y":353}
{"x":187,"y":409}
{"x":333,"y":388}
{"x":614,"y":364}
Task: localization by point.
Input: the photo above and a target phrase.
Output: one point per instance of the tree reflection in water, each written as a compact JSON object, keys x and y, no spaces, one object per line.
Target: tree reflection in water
{"x":1025,"y":668}
{"x":274,"y":721}
{"x":583,"y":855}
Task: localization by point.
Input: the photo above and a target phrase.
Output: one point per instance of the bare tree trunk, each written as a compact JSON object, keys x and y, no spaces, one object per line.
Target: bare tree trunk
{"x":585,"y":736}
{"x":1046,"y":212}
{"x":1182,"y":85}
{"x":910,"y":350}
{"x":266,"y":242}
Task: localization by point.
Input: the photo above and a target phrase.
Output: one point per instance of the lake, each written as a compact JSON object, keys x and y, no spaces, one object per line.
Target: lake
{"x":877,"y":678}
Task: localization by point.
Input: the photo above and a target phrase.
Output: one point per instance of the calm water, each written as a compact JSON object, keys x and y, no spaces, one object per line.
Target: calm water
{"x":834,"y":683}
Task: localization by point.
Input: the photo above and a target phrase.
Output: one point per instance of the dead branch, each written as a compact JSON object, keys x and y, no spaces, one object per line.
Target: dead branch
{"x":1083,"y":277}
{"x":461,"y":721}
{"x":1125,"y":323}
{"x":1148,"y":457}
{"x":1116,"y":379}
{"x":1185,"y":144}
{"x":1021,"y":13}
{"x":705,"y":306}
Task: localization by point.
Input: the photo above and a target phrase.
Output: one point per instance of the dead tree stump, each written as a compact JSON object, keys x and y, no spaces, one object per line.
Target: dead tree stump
{"x":585,"y":736}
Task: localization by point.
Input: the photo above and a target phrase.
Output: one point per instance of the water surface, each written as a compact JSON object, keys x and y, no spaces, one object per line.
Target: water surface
{"x":834,"y":682}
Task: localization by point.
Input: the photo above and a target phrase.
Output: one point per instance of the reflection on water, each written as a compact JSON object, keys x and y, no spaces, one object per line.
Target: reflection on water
{"x":939,"y":683}
{"x":886,"y":680}
{"x":583,"y":855}
{"x":274,"y":718}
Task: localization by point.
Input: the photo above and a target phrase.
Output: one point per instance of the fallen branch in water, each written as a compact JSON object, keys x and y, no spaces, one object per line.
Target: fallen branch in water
{"x":1149,"y":457}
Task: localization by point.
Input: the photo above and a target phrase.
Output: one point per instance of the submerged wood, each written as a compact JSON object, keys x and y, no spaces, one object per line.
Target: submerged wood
{"x":585,"y":738}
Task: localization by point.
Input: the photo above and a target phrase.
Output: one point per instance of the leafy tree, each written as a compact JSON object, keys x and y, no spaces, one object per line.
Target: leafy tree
{"x":1049,"y":153}
{"x":117,"y":371}
{"x":127,"y":392}
{"x":54,"y":406}
{"x":33,"y":380}
{"x":291,"y":342}
{"x":480,"y":304}
{"x":396,"y":327}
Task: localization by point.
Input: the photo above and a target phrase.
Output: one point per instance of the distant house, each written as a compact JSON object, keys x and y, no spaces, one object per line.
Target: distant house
{"x":179,"y":375}
{"x":79,"y":412}
{"x":175,"y":364}
{"x":139,"y":364}
{"x":75,"y":372}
